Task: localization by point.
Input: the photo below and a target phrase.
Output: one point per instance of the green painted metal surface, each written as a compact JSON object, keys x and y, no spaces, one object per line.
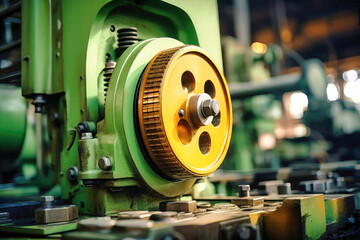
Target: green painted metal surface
{"x":13,"y":127}
{"x":339,"y":209}
{"x":46,"y":229}
{"x":66,"y":43}
{"x":41,"y":68}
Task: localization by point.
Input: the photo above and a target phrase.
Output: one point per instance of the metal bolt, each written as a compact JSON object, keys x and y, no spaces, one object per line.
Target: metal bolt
{"x":104,"y":163}
{"x":47,"y":201}
{"x":72,"y":174}
{"x":284,"y":188}
{"x":181,"y":112}
{"x":244,"y":190}
{"x":210,"y":107}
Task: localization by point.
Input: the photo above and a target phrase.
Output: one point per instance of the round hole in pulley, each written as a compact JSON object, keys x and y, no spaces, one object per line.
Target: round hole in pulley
{"x":184,"y":132}
{"x":188,"y":81}
{"x":216,"y":120}
{"x":204,"y":143}
{"x":209,"y":88}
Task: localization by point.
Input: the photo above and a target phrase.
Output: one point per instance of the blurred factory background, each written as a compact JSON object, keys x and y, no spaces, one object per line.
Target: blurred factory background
{"x":265,"y":40}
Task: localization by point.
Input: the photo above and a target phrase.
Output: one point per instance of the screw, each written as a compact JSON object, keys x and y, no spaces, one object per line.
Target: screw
{"x":72,"y":174}
{"x":104,"y":163}
{"x":47,"y":201}
{"x":181,"y":112}
{"x":244,"y":190}
{"x":210,"y":107}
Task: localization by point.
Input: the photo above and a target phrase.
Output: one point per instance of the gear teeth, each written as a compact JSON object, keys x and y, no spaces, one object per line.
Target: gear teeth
{"x":156,"y":141}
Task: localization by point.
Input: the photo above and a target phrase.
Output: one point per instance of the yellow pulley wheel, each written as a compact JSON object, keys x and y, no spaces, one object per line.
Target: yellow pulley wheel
{"x":185,"y":113}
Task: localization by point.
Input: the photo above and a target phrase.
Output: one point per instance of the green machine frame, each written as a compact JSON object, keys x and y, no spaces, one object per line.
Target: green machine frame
{"x":65,"y":49}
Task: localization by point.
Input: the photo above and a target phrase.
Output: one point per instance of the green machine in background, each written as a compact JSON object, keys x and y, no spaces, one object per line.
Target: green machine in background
{"x":17,"y":135}
{"x":83,"y":62}
{"x":257,"y":100}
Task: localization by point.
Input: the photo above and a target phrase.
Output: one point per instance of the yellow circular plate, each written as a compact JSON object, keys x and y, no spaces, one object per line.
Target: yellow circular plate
{"x":179,"y":148}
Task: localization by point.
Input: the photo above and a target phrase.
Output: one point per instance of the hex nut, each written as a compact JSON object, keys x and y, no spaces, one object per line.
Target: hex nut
{"x":210,"y":107}
{"x":56,"y":214}
{"x":46,"y":198}
{"x":244,"y":190}
{"x":181,"y":206}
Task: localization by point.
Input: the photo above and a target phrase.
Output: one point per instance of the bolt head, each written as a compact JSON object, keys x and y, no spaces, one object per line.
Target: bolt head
{"x":211,"y":107}
{"x":72,"y":174}
{"x":105,"y":163}
{"x":46,"y":198}
{"x":181,"y":112}
{"x":244,"y":187}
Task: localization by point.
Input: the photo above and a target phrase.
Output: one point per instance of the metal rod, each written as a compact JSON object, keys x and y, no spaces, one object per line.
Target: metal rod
{"x":280,"y":84}
{"x":39,"y":143}
{"x":10,"y":46}
{"x":10,"y":10}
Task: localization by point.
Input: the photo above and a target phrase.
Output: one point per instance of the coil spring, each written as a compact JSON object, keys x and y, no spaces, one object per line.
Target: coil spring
{"x":108,"y":70}
{"x":126,"y":37}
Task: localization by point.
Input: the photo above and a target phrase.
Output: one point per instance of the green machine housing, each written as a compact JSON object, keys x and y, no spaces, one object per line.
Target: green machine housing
{"x":66,"y":46}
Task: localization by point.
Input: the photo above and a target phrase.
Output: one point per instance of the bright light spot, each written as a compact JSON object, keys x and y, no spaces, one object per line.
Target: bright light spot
{"x":267,"y":141}
{"x":300,"y":130}
{"x":258,"y":47}
{"x":352,"y":89}
{"x":298,"y":104}
{"x":350,"y":75}
{"x":332,"y":92}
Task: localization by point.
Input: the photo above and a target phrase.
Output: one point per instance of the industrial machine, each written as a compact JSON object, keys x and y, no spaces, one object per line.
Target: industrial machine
{"x":131,"y":108}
